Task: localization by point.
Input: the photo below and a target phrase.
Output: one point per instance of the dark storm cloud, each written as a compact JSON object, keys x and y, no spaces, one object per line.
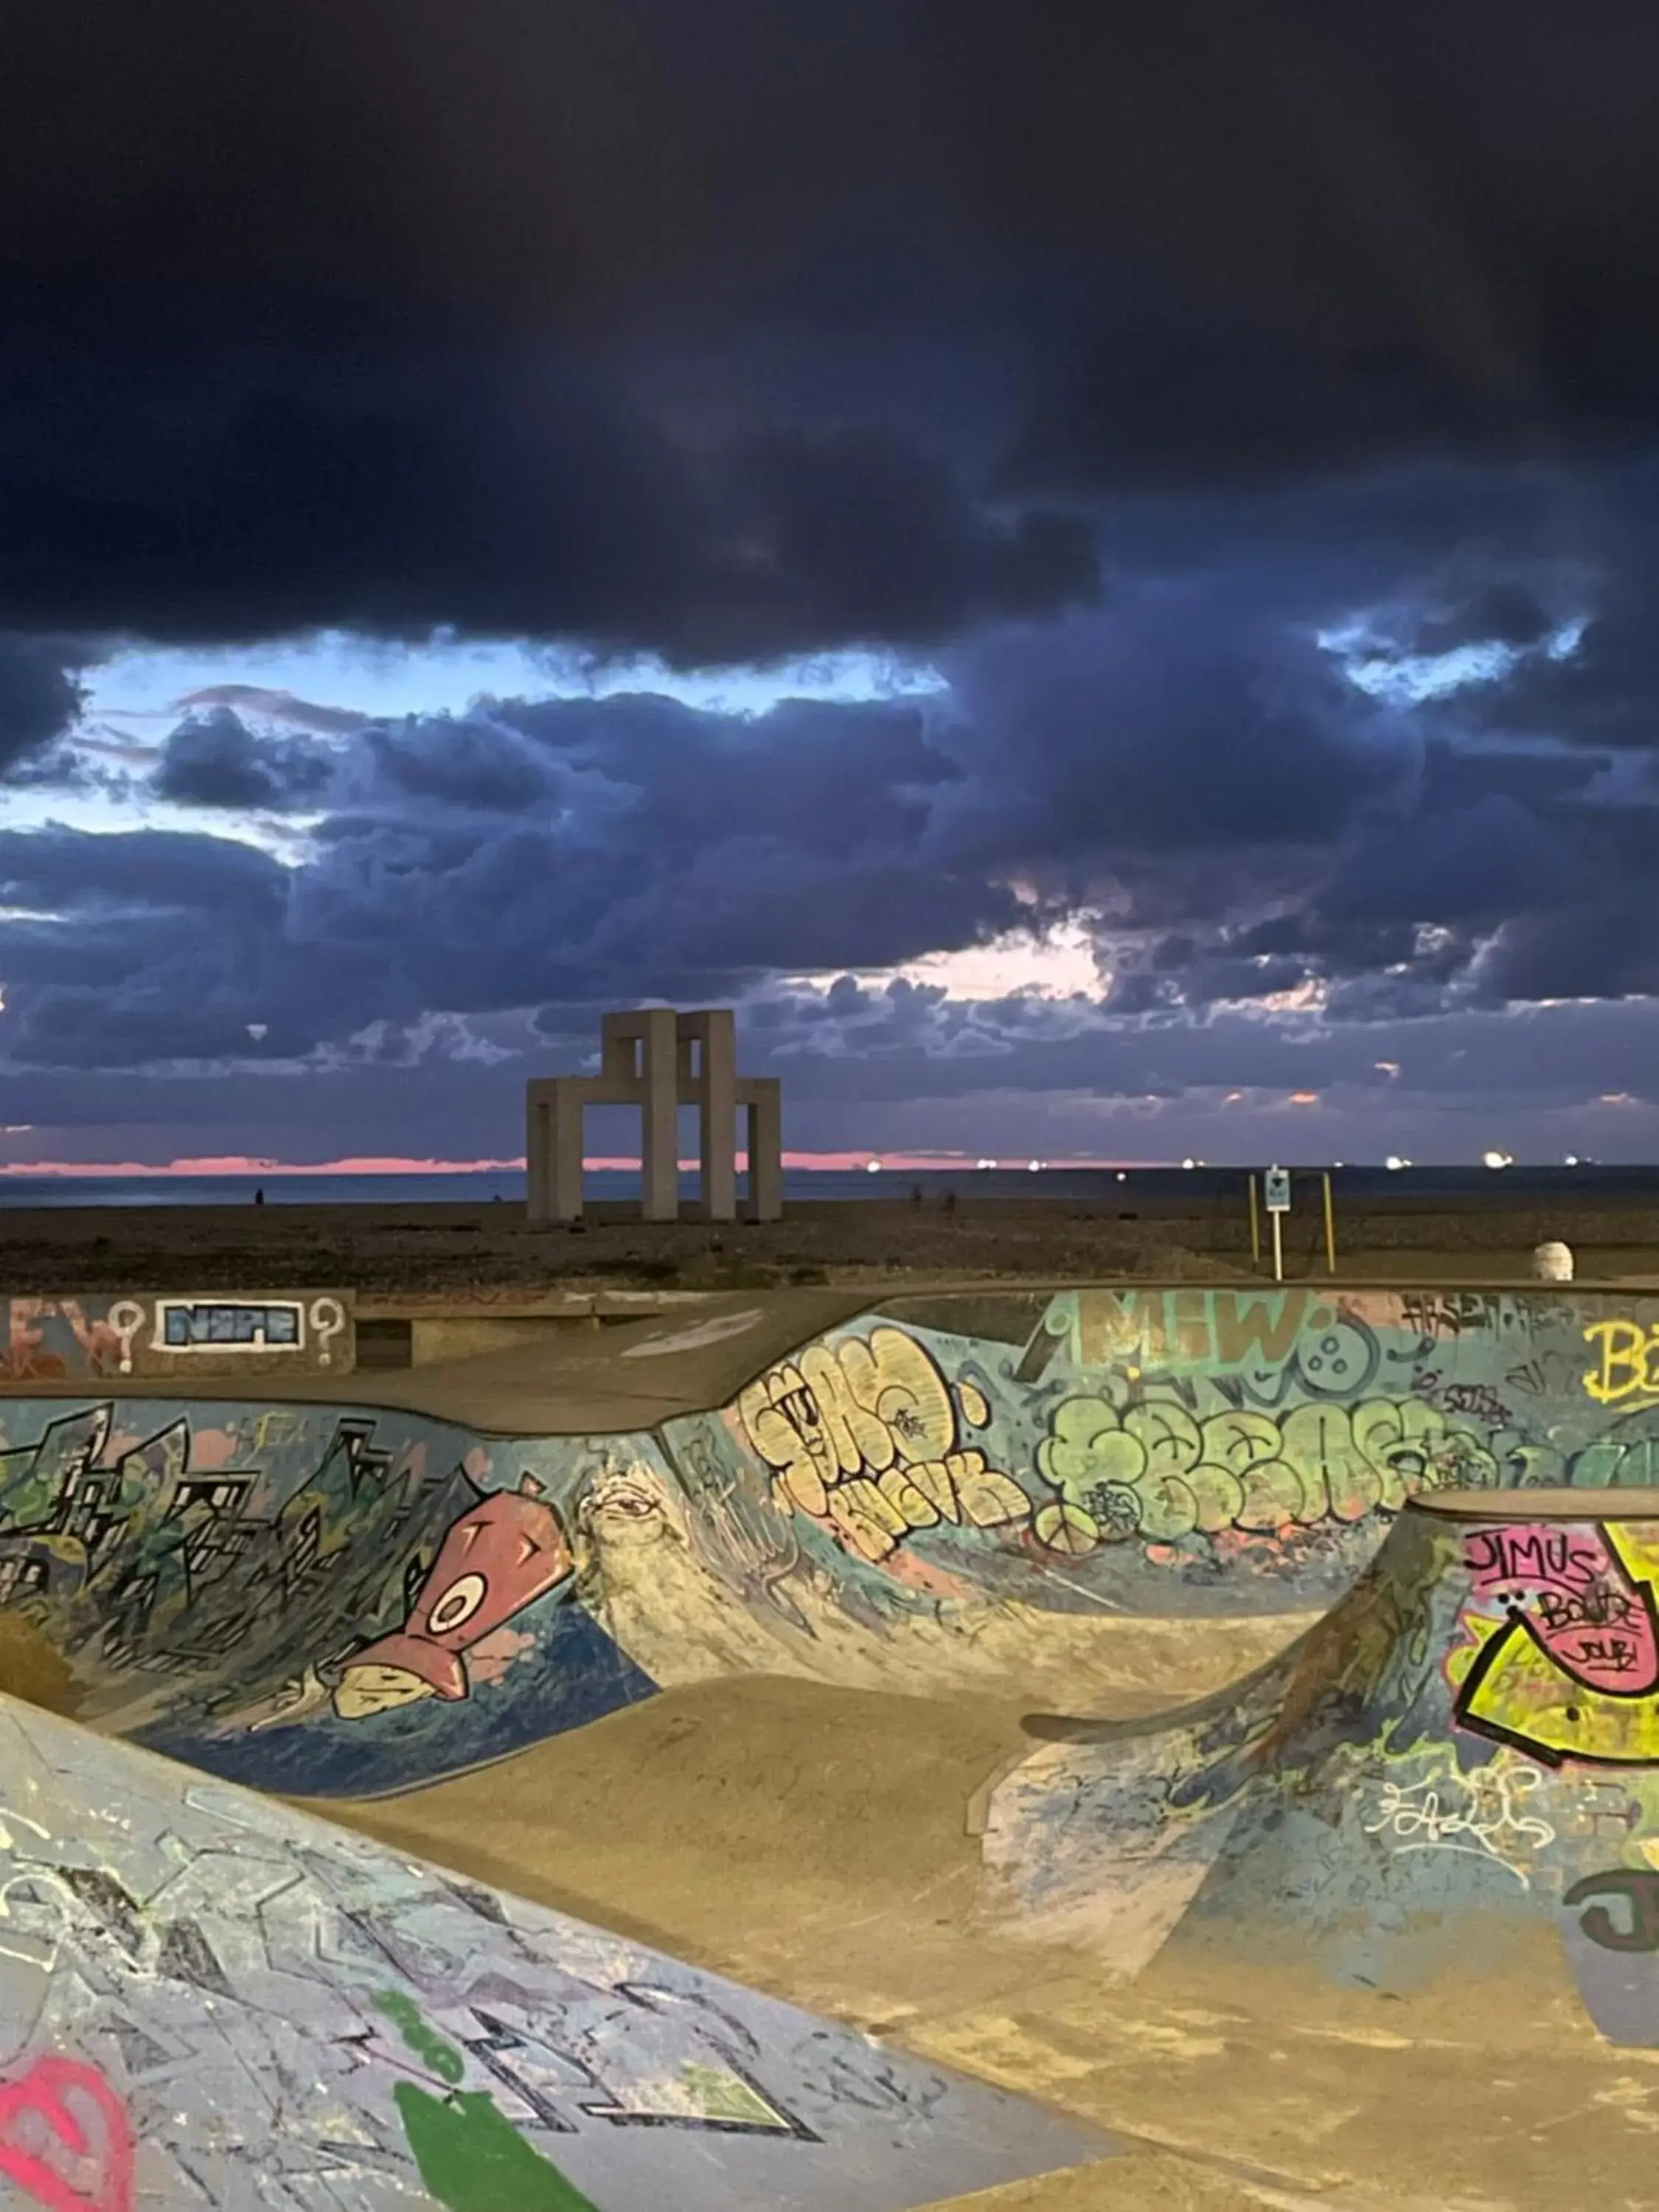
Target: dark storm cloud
{"x":319,"y":316}
{"x":612,"y":840}
{"x":1504,"y":611}
{"x":450,"y":760}
{"x":141,"y":869}
{"x":1471,"y":866}
{"x":541,"y":854}
{"x":1606,"y":692}
{"x":41,"y":702}
{"x":1457,"y":776}
{"x":138,"y":948}
{"x":1112,"y":357}
{"x":1162,"y":747}
{"x":1240,"y":820}
{"x":253,"y":497}
{"x":1599,"y":939}
{"x":213,"y":759}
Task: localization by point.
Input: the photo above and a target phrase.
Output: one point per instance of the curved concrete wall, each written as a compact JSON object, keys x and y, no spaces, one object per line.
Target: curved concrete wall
{"x":1469,"y":1742}
{"x":1038,"y":1496}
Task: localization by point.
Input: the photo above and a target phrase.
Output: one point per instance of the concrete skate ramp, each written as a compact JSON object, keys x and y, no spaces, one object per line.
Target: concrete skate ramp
{"x":208,"y":1999}
{"x":1468,"y":1744}
{"x":1100,"y":1500}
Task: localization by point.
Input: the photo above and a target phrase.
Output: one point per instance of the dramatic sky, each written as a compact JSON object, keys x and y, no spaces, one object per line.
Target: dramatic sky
{"x":1093,"y":568}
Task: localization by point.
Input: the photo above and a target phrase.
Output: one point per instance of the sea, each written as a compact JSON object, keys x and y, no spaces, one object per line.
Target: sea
{"x":1154,"y":1189}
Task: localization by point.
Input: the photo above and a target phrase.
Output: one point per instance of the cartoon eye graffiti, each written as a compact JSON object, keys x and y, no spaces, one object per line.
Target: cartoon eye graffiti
{"x":495,"y":1559}
{"x":458,"y":1604}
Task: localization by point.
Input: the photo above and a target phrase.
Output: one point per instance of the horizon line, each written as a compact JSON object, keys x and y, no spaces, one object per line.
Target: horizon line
{"x":233,"y":1165}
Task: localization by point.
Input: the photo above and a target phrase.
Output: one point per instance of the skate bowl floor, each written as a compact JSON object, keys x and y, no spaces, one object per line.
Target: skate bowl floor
{"x":709,"y":1631}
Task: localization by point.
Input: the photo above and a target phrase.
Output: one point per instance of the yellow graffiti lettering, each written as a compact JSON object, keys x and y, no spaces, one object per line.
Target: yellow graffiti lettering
{"x":863,"y":1434}
{"x":277,"y":1427}
{"x":1629,"y":1365}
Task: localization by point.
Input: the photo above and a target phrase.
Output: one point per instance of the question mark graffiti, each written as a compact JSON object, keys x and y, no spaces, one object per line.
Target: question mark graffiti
{"x":327,"y":1320}
{"x":126,"y":1318}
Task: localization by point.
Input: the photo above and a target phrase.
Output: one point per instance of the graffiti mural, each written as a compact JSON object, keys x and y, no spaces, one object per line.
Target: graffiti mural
{"x":499,"y":1557}
{"x":863,"y":1433}
{"x":983,"y":1486}
{"x":1172,"y":1451}
{"x":1471,"y":1735}
{"x":1230,"y":1438}
{"x":1626,"y":1361}
{"x":58,"y":1339}
{"x":51,"y":2103}
{"x":253,"y":1583}
{"x":1561,"y":1649}
{"x":1636,"y":1926}
{"x":1153,"y":1470}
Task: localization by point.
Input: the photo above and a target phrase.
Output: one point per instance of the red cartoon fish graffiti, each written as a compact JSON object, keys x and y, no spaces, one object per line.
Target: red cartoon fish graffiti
{"x":498,"y":1558}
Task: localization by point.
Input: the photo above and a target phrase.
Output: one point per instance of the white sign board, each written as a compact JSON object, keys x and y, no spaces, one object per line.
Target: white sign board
{"x":1278,"y":1184}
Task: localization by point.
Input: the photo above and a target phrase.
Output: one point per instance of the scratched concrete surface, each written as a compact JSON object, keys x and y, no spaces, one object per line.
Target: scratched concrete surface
{"x":244,"y":2007}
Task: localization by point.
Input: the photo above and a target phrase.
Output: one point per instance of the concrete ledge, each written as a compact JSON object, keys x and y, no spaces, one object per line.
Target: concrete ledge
{"x":182,"y":1337}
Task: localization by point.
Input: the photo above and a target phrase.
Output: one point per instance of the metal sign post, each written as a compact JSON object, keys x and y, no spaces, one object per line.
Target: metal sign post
{"x":1277,"y":1184}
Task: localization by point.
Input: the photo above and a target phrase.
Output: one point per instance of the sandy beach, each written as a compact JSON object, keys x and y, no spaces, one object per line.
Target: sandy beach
{"x":484,"y":1253}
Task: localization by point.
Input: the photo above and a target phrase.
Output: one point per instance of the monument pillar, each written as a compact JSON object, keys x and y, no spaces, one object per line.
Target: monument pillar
{"x":762,"y":1115}
{"x":709,"y":1080}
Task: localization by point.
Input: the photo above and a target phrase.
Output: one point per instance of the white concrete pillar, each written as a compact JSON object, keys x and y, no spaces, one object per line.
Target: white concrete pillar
{"x":538,"y":1145}
{"x":565,"y":1146}
{"x":763,"y":1116}
{"x":715,"y":1088}
{"x":660,"y":1114}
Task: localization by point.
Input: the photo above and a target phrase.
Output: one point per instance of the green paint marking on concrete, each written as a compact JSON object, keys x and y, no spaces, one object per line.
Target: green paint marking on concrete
{"x":446,"y":2062}
{"x":472,"y":2159}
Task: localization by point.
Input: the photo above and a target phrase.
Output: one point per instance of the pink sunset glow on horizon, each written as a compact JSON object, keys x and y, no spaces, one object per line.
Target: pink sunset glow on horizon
{"x":233,"y":1165}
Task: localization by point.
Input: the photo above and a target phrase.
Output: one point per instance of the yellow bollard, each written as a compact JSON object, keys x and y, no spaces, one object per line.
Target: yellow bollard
{"x":1330,"y":1224}
{"x":1255,"y":1228}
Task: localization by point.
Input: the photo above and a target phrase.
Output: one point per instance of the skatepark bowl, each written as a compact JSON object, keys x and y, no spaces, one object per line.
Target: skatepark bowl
{"x":1150,"y":1732}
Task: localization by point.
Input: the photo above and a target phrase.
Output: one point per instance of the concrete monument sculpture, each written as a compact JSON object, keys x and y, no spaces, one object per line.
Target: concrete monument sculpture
{"x":658,"y":1060}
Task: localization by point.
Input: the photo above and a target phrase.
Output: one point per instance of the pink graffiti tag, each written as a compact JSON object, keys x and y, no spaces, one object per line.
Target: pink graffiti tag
{"x":42,"y":2094}
{"x":1571,"y":1591}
